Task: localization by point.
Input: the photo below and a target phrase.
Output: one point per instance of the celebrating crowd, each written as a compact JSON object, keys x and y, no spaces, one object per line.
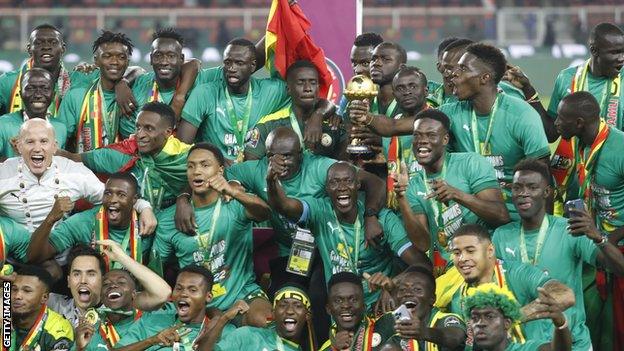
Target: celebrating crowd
{"x":207,"y":209}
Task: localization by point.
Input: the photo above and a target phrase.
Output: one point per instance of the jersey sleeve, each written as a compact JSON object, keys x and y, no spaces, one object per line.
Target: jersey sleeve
{"x":248,"y":175}
{"x":7,"y":81}
{"x":316,"y":210}
{"x":198,"y":105}
{"x":529,"y":130}
{"x":394,"y":231}
{"x":321,"y":166}
{"x":17,"y":239}
{"x":74,"y":230}
{"x":584,"y":248}
{"x":105,"y":160}
{"x":81,"y":79}
{"x":69,"y":111}
{"x":415,"y":198}
{"x":274,"y":90}
{"x":207,"y":75}
{"x":526,"y":278}
{"x":235,"y":340}
{"x":482,"y":175}
{"x":559,"y":91}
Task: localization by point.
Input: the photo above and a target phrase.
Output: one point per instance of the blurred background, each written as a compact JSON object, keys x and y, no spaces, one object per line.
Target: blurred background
{"x":541,"y":36}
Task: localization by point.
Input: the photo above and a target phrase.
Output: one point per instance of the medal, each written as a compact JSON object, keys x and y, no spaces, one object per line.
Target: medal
{"x":91,"y":316}
{"x":326,"y":140}
{"x":240,"y":157}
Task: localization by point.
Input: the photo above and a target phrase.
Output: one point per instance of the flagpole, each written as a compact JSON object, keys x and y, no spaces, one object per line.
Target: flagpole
{"x":358,"y":16}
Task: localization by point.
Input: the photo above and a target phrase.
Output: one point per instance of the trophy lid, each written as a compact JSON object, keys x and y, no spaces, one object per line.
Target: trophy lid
{"x":360,"y":87}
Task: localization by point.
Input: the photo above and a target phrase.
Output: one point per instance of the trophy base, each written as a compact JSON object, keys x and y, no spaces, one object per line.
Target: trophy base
{"x":360,"y":151}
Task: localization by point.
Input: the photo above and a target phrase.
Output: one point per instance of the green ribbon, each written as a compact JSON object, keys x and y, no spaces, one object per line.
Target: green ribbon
{"x":481,"y":150}
{"x":239,"y":127}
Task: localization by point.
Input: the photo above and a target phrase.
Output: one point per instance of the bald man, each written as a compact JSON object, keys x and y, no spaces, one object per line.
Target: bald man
{"x":30,"y":184}
{"x":37,"y":91}
{"x":601,"y":185}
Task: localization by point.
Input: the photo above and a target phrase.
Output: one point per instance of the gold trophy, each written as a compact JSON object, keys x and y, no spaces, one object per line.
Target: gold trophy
{"x":360,"y":87}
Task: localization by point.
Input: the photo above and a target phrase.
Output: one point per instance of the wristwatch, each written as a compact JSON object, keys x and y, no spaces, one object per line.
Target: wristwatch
{"x":369,"y":212}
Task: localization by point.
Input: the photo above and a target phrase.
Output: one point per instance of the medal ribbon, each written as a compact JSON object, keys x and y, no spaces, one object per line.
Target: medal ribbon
{"x":437,"y":206}
{"x":155,"y":92}
{"x":132,"y":237}
{"x":154,"y":200}
{"x":33,"y":336}
{"x":357,"y":229}
{"x":109,"y":333}
{"x":16,"y":94}
{"x":364,"y":340}
{"x":483,"y":149}
{"x":239,"y":127}
{"x":204,"y":241}
{"x":294,"y":123}
{"x":96,"y":128}
{"x":389,"y":110}
{"x":585,"y":166}
{"x":538,"y":245}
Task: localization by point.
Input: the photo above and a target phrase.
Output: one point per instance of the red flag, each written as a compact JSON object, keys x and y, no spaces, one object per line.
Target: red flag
{"x":287,"y":40}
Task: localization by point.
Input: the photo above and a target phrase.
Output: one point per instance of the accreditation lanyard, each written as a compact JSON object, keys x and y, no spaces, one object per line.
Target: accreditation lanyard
{"x":239,"y":126}
{"x":294,"y":123}
{"x":205,"y":240}
{"x":357,"y":229}
{"x":483,"y":149}
{"x":438,"y":207}
{"x":538,"y":245}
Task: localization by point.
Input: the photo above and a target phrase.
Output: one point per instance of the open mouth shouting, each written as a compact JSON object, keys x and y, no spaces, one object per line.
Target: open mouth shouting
{"x":343,"y":200}
{"x":84,"y":294}
{"x":423,"y":152}
{"x":290,"y":324}
{"x":113,"y":213}
{"x":46,"y":58}
{"x":184,"y":309}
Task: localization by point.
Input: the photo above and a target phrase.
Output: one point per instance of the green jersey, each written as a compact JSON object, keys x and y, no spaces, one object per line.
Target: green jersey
{"x":522,"y":280}
{"x":8,"y":87}
{"x":511,"y":133}
{"x":226,"y":120}
{"x":227,"y":250}
{"x":15,"y":239}
{"x":529,"y":345}
{"x":561,"y":255}
{"x":343,"y":247}
{"x":85,"y":227}
{"x":153,"y":323}
{"x":252,"y":338}
{"x":330,"y":141}
{"x":145,"y":88}
{"x":436,"y":319}
{"x":369,"y":335}
{"x":607,"y":183}
{"x":437,"y":97}
{"x":600,"y":87}
{"x":120,"y":329}
{"x":72,"y":108}
{"x":308,"y":182}
{"x":10,"y":125}
{"x":161,"y":177}
{"x":468,"y":172}
{"x":56,"y":334}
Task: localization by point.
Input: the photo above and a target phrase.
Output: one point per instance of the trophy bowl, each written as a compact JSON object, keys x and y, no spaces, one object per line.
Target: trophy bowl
{"x":360,"y":87}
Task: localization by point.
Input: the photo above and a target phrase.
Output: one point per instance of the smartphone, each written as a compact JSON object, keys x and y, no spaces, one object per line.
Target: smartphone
{"x":402,"y":313}
{"x":577,"y":204}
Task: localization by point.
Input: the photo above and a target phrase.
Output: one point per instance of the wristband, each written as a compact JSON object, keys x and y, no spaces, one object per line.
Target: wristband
{"x":370,"y":120}
{"x":183,"y":194}
{"x":565,"y":324}
{"x":603,"y":242}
